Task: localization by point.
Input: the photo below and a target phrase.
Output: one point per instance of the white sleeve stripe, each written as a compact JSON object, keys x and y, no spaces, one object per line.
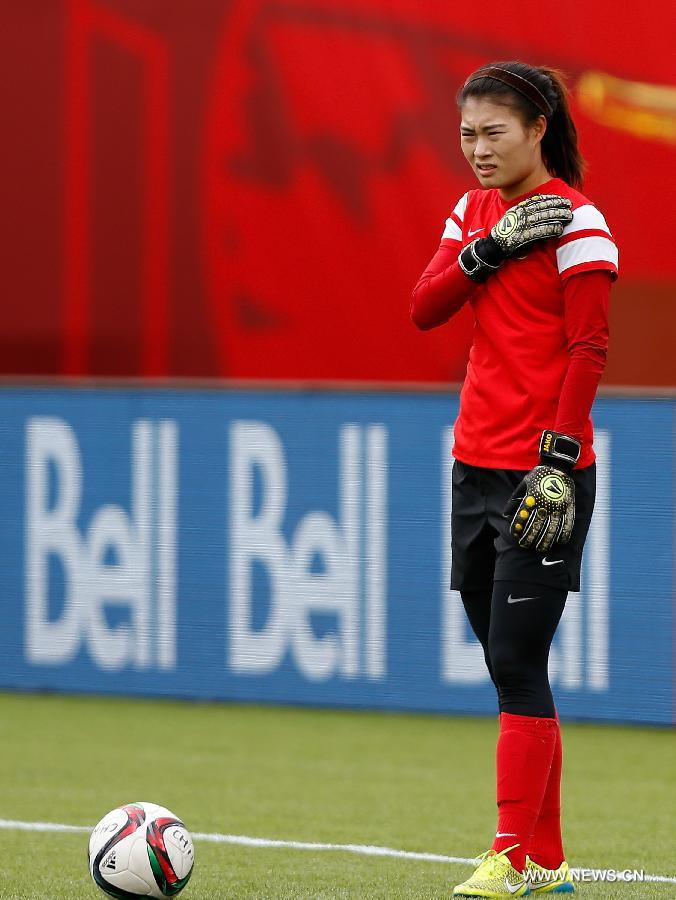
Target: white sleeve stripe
{"x":586,"y":250}
{"x":585,"y":217}
{"x":451,"y":231}
{"x":461,"y":206}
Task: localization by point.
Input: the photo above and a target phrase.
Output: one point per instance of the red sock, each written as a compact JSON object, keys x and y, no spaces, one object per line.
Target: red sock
{"x":523,"y":761}
{"x":547,"y":847}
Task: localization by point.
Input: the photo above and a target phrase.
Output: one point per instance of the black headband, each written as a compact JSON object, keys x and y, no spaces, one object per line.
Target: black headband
{"x":522,"y":85}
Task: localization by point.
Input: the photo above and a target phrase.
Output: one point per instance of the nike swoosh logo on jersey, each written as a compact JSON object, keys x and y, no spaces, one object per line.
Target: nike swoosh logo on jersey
{"x":476,"y":231}
{"x":505,"y":834}
{"x":511,"y":599}
{"x":550,"y":562}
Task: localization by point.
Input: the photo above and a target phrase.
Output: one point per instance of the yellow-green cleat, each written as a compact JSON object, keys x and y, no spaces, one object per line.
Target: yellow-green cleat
{"x":495,"y":877}
{"x":549,"y":881}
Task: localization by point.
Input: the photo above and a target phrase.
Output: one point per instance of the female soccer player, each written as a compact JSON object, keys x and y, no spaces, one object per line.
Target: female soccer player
{"x":535,"y":259}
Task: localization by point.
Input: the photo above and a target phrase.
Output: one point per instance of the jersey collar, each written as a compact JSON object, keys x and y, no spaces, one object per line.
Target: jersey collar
{"x":547,"y":187}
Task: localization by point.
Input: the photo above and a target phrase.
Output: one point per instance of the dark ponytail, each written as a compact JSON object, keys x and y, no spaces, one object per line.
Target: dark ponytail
{"x":560,"y":152}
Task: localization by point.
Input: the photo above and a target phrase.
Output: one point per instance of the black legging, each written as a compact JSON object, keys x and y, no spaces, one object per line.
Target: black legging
{"x":516,"y":624}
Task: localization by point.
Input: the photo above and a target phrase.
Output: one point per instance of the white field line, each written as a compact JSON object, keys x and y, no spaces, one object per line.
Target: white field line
{"x":363,"y":849}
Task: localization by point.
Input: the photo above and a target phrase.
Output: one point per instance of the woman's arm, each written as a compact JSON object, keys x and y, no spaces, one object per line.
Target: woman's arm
{"x":586,"y":297}
{"x":442,"y":289}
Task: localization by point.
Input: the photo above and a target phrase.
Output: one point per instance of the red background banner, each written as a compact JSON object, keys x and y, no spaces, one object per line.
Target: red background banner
{"x":250,"y":189}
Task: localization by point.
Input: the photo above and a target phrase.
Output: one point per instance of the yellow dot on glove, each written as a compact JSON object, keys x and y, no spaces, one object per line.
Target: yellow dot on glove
{"x":524,"y":514}
{"x":530,"y":501}
{"x":518,"y":527}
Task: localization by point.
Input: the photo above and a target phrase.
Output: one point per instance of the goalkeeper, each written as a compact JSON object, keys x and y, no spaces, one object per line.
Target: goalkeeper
{"x":534,"y":258}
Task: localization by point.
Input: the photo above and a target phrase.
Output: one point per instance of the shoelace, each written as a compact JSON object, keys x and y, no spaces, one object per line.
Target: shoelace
{"x":490,"y":859}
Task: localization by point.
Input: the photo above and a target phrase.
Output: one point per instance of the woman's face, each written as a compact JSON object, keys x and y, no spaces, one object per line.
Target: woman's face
{"x":502,"y":151}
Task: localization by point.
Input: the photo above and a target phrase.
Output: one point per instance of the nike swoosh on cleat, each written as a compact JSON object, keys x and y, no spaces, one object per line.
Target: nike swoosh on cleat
{"x":513,"y":888}
{"x":551,"y":562}
{"x":511,"y":599}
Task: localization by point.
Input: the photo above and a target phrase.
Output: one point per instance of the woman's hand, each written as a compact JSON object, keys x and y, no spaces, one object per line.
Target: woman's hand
{"x":537,"y":218}
{"x":542,"y":508}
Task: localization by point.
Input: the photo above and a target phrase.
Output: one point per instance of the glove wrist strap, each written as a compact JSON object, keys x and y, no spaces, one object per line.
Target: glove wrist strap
{"x":559,"y":450}
{"x":480,"y":259}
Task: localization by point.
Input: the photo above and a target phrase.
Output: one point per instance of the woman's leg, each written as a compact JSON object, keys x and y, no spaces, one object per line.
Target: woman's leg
{"x":546,"y":847}
{"x":478,"y":609}
{"x":523,"y":619}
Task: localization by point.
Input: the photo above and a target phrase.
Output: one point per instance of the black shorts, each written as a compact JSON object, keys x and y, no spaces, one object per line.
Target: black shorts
{"x":483,"y":549}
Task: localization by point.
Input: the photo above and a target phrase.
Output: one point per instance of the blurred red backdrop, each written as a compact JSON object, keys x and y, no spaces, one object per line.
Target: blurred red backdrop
{"x":250,"y":189}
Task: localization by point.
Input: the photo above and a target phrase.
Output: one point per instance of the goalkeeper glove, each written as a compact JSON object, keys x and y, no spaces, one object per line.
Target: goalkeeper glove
{"x":534,"y":219}
{"x":542,"y":508}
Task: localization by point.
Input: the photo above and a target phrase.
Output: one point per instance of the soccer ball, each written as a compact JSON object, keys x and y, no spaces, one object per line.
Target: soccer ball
{"x":141,"y":850}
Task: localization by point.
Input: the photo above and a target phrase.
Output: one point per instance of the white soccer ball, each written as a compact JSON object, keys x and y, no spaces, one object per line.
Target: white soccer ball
{"x":141,"y":850}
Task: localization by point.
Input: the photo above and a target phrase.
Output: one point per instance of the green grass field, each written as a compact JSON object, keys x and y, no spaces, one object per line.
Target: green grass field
{"x":414,"y":783}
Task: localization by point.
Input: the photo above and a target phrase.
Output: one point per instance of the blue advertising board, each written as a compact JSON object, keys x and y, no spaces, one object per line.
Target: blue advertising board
{"x":294,"y":548}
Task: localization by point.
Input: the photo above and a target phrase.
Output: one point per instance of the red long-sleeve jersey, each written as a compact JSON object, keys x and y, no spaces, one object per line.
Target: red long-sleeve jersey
{"x":540,"y":334}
